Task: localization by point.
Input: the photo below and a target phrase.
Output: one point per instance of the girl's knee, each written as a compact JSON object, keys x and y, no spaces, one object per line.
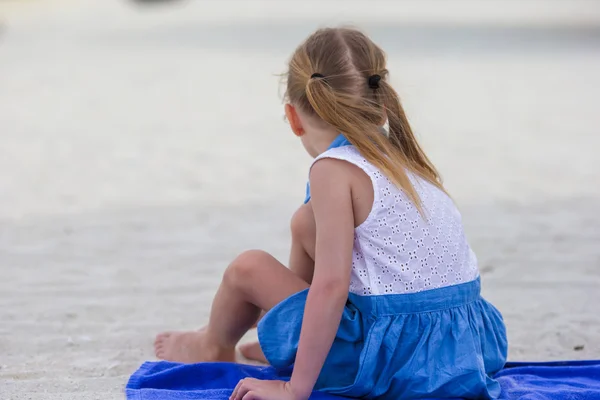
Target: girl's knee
{"x":303,"y":223}
{"x":245,"y":266}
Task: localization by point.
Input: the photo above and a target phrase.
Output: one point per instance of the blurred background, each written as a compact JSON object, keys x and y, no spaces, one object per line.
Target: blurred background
{"x":143,"y":146}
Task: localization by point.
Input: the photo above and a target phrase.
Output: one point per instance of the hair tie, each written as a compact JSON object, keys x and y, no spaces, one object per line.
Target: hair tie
{"x":317,"y":75}
{"x":374,"y":81}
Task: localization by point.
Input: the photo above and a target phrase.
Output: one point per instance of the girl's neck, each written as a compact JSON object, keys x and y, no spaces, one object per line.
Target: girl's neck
{"x":322,"y":140}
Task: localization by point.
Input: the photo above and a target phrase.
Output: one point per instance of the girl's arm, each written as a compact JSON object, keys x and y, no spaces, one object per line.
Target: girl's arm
{"x":334,"y":217}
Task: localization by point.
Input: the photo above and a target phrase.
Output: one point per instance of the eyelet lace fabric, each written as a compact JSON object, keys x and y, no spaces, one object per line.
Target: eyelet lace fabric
{"x":396,"y":250}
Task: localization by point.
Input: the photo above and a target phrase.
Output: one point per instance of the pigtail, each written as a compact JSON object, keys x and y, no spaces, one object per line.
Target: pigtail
{"x":360,"y":122}
{"x":401,"y":135}
{"x":339,"y":76}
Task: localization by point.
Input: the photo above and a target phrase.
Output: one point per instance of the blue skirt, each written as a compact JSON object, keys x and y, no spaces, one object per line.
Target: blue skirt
{"x":440,"y":343}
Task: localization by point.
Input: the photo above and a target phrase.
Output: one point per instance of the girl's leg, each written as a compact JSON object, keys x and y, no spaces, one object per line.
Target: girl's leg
{"x":253,"y":282}
{"x":302,"y":255}
{"x":304,"y":236}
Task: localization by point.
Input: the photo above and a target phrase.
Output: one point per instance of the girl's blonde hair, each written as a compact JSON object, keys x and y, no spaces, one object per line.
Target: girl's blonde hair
{"x":331,"y":76}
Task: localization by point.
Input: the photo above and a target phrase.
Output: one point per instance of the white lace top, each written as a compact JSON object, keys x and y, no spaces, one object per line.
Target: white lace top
{"x":398,"y":251}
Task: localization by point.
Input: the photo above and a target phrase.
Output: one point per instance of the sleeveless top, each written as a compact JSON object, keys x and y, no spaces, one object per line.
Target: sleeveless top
{"x":396,"y":250}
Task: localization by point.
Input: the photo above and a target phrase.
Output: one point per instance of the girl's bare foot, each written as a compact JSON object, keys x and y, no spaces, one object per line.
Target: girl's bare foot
{"x":253,"y":352}
{"x":189,"y":347}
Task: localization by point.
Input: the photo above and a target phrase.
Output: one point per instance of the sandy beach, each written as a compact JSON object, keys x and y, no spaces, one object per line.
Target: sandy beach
{"x":141,"y":149}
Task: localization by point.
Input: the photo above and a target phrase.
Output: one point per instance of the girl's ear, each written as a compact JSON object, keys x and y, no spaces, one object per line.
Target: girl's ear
{"x":295,"y":123}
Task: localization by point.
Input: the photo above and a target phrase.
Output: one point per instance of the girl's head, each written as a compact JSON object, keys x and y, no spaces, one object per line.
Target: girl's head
{"x":337,"y":82}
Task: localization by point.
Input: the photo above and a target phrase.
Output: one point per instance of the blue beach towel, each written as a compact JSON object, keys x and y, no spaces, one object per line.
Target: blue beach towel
{"x":569,"y":380}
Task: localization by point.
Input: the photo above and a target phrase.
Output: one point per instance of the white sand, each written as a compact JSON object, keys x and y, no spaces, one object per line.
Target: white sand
{"x":142,"y":150}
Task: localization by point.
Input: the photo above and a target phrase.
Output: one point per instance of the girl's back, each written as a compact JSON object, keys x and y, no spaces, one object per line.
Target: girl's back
{"x":396,"y":249}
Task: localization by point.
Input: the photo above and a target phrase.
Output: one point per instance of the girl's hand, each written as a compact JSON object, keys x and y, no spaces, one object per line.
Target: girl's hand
{"x":255,"y":389}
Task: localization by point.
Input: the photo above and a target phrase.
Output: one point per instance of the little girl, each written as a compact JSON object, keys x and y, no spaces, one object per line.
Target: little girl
{"x":382,"y":298}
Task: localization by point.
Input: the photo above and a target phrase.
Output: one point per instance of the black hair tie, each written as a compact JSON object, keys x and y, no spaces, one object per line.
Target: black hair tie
{"x":374,"y":81}
{"x":317,"y":75}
